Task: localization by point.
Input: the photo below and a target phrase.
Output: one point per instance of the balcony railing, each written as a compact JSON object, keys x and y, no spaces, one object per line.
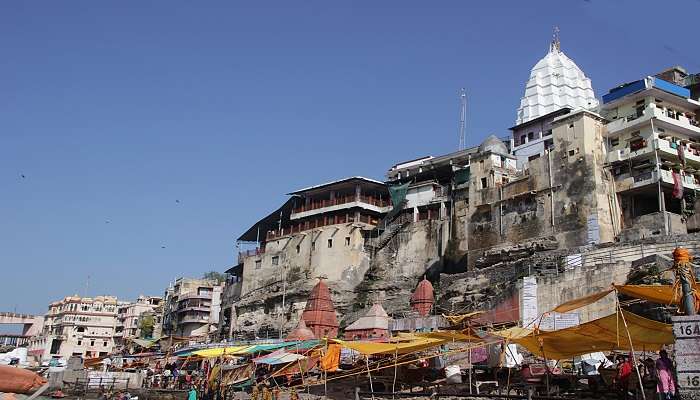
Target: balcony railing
{"x":320,"y":222}
{"x":315,"y":205}
{"x":242,"y":255}
{"x":202,"y":295}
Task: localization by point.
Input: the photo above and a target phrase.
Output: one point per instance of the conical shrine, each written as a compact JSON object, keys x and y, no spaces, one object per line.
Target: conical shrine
{"x":423,"y":298}
{"x":319,"y":313}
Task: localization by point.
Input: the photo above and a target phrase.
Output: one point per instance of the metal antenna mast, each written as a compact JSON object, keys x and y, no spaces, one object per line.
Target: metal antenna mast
{"x":462,"y":118}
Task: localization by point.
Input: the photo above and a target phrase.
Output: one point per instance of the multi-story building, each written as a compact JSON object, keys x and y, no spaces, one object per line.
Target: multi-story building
{"x":653,"y":144}
{"x":77,"y":326}
{"x":319,"y":231}
{"x":319,"y":227}
{"x":128,"y":315}
{"x":155,"y":315}
{"x":191,"y":307}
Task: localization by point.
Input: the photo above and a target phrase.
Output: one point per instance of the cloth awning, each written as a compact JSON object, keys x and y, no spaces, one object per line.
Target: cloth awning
{"x":581,"y":301}
{"x":369,"y":348}
{"x":461,"y":318}
{"x":451,"y":336}
{"x":603,"y":334}
{"x":278,"y":357}
{"x":219,"y":351}
{"x":241,"y":350}
{"x":661,"y":294}
{"x":515,"y":332}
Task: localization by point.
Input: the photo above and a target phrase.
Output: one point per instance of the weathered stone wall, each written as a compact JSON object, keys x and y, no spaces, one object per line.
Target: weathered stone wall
{"x":334,"y":252}
{"x":398,"y":267}
{"x":579,"y":282}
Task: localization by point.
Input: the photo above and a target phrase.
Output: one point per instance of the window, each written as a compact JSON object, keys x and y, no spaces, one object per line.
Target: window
{"x":81,"y":329}
{"x":347,"y":240}
{"x":547,"y":133}
{"x":275,"y":260}
{"x":522,"y":139}
{"x":530,"y":135}
{"x":313,"y":245}
{"x":614,"y":142}
{"x":533,"y":157}
{"x":571,"y":125}
{"x":104,"y":344}
{"x":484,"y":183}
{"x":330,"y":243}
{"x":571,"y":153}
{"x":258,"y":264}
{"x":80,"y":342}
{"x":92,"y":343}
{"x":298,"y":249}
{"x":549,"y":143}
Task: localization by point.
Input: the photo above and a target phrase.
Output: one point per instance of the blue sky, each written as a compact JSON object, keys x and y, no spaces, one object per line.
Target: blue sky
{"x":115,"y":111}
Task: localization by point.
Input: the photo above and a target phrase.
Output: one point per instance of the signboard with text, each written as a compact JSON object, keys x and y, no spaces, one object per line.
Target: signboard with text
{"x":686,"y":329}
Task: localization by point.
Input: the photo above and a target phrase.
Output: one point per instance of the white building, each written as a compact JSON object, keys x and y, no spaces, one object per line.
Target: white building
{"x":191,"y":307}
{"x":653,"y":149}
{"x":77,"y":326}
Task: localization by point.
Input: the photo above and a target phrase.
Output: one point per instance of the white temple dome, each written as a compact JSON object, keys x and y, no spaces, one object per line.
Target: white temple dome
{"x":555,"y":82}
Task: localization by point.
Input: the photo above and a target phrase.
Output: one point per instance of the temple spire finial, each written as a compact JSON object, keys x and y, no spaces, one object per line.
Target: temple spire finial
{"x":556,"y":44}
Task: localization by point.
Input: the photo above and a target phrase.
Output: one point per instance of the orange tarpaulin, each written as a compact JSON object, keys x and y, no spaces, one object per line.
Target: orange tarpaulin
{"x":331,"y":360}
{"x":603,"y":334}
{"x":582,"y":301}
{"x":18,"y":380}
{"x":661,"y":294}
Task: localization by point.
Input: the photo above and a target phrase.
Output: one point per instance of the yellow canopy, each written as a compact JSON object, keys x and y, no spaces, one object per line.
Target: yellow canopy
{"x":451,"y":336}
{"x":662,"y":294}
{"x":369,"y":348}
{"x":219,"y":351}
{"x":603,"y":334}
{"x":515,"y":332}
{"x":458,"y":319}
{"x":581,"y":301}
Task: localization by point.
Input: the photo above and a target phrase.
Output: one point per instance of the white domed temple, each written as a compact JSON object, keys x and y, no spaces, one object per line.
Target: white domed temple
{"x":556,"y":86}
{"x":555,"y":82}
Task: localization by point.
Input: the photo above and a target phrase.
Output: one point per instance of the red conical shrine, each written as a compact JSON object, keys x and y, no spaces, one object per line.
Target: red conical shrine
{"x":301,"y":332}
{"x":319,"y":313}
{"x":423,"y":297}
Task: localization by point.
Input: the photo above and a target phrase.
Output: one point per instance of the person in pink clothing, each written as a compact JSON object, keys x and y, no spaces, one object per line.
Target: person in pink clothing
{"x":665,"y":386}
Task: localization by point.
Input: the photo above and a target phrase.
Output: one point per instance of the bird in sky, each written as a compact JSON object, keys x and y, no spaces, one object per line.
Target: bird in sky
{"x":177,"y":201}
{"x":162,"y":247}
{"x":22,"y":176}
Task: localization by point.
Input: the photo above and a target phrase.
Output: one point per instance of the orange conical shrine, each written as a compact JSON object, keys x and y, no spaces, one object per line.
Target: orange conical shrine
{"x":301,"y":332}
{"x":423,"y":297}
{"x":319,"y":313}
